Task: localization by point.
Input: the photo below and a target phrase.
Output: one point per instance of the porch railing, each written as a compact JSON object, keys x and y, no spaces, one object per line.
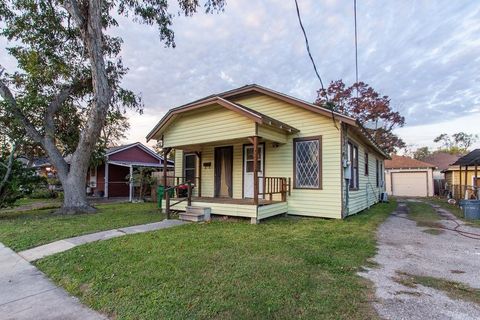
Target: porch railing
{"x":178,"y":180}
{"x":275,"y":185}
{"x":176,"y":189}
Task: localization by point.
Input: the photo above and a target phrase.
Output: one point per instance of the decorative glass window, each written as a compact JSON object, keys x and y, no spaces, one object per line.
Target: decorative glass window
{"x":307,"y":163}
{"x":190,"y":167}
{"x":366,"y":164}
{"x":353,"y":159}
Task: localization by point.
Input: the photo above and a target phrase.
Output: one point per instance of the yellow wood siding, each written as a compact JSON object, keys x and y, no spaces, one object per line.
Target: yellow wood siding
{"x":368,"y":192}
{"x":213,"y":124}
{"x":272,"y":210}
{"x":272,"y":135}
{"x":279,"y":159}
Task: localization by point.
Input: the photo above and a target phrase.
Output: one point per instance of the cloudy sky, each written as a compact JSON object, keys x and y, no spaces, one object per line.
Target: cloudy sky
{"x":424,"y":54}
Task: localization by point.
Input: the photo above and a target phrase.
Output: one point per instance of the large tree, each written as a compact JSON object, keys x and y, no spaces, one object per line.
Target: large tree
{"x":68,"y":65}
{"x":370,"y":108}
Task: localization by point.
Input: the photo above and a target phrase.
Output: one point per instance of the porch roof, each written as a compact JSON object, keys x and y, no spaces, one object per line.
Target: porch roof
{"x":137,"y":164}
{"x":251,"y":114}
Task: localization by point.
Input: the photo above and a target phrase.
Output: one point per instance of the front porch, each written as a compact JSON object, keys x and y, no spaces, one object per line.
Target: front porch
{"x":232,"y":207}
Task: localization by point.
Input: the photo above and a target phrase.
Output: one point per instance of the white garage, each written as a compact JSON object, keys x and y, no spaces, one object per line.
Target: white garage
{"x":407,"y":177}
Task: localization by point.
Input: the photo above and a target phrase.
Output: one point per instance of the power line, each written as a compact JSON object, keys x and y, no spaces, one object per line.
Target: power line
{"x":308,"y":46}
{"x":356,"y":41}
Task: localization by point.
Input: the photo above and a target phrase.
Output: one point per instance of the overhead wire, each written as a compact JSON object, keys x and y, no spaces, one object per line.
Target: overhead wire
{"x":307,"y":45}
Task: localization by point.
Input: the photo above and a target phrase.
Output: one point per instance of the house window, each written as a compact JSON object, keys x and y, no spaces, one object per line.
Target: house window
{"x":366,"y":163}
{"x":353,"y":159}
{"x":307,"y":163}
{"x":377,"y":172}
{"x":190,"y":167}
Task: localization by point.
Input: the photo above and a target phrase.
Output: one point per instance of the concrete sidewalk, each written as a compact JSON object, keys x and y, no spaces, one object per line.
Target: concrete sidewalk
{"x":67,"y":244}
{"x":26,"y":293}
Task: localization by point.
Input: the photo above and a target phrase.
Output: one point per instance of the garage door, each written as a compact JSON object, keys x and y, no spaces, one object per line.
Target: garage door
{"x":409,"y":184}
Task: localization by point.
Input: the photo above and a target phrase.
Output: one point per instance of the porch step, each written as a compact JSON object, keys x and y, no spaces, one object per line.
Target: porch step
{"x":195,"y":214}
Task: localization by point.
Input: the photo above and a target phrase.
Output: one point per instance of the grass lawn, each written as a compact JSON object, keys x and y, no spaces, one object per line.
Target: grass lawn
{"x":283,"y":268}
{"x":31,"y":201}
{"x":26,"y":229}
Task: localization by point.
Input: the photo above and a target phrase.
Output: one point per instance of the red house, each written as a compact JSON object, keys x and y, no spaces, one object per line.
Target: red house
{"x":109,"y":179}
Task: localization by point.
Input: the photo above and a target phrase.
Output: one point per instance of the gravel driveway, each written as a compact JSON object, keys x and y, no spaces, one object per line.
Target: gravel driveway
{"x":403,"y":247}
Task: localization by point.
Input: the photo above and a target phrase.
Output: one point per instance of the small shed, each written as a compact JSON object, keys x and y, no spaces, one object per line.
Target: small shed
{"x":408,"y":177}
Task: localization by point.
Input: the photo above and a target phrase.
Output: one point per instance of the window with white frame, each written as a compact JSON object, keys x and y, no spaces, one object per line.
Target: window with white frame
{"x":307,"y":163}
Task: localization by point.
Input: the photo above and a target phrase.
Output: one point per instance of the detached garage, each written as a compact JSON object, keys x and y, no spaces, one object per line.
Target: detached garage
{"x":408,"y":177}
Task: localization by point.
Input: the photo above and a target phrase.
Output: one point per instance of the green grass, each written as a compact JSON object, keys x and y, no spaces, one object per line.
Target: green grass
{"x":26,"y":229}
{"x":283,"y":268}
{"x":31,"y":201}
{"x":453,"y":289}
{"x":424,"y":214}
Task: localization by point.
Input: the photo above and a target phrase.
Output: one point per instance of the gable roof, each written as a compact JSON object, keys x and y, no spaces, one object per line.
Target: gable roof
{"x":471,"y":159}
{"x":224,"y":98}
{"x":441,"y":159}
{"x":403,"y":162}
{"x":140,"y":145}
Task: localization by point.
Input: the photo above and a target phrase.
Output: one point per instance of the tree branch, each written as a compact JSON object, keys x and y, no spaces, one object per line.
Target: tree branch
{"x":57,"y":103}
{"x":7,"y":95}
{"x":47,"y":144}
{"x":74,"y":10}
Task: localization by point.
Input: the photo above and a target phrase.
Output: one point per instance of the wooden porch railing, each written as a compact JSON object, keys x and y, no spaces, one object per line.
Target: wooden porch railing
{"x":176,"y":188}
{"x":275,"y":185}
{"x":177,"y":181}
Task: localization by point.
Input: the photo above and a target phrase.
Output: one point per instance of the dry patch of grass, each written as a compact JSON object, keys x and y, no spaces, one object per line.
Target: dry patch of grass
{"x":455,"y":209}
{"x":434,"y":232}
{"x":454,"y":290}
{"x":425,"y":216}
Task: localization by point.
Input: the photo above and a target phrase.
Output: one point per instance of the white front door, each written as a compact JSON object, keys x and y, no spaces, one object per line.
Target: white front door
{"x":248,"y":170}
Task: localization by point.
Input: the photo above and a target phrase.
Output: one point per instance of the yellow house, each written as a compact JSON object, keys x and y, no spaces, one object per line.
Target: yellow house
{"x":462,"y":177}
{"x":254,"y":152}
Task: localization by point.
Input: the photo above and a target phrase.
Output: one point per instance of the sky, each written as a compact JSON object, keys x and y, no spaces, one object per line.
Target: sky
{"x":423,"y":54}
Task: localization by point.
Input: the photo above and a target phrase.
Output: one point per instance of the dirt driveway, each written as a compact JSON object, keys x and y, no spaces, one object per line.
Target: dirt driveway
{"x":423,"y":275}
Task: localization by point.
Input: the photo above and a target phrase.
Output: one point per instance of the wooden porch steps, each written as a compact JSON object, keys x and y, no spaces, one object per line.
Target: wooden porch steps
{"x":195,"y":214}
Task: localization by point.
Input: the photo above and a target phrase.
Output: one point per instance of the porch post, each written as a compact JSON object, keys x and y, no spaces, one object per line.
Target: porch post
{"x":130,"y":191}
{"x":106,"y":180}
{"x":475,"y":181}
{"x":255,"y":170}
{"x":466,"y":180}
{"x":199,"y":158}
{"x":166,"y":151}
{"x":460,"y":183}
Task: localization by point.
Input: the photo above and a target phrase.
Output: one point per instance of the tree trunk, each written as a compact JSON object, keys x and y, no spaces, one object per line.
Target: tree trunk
{"x":75,"y":197}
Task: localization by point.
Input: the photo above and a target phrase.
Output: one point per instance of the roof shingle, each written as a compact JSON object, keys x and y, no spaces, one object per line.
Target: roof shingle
{"x":402,"y":162}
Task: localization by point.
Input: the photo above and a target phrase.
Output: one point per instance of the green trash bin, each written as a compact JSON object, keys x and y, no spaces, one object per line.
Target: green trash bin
{"x":160,"y":193}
